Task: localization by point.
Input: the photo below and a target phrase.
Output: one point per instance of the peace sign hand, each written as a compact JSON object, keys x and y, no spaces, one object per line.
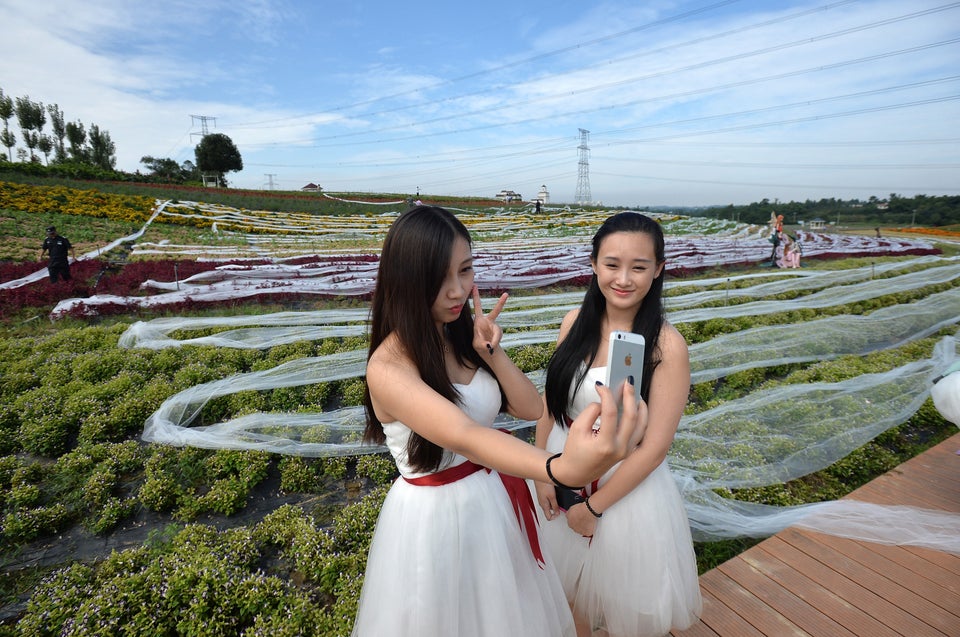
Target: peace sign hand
{"x":486,"y":332}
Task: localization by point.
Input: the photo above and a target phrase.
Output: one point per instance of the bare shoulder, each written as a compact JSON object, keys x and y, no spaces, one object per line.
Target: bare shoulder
{"x":567,"y":323}
{"x":388,"y":360}
{"x":672,"y":342}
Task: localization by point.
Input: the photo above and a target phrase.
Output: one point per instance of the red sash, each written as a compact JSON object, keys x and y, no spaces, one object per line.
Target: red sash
{"x":516,"y":489}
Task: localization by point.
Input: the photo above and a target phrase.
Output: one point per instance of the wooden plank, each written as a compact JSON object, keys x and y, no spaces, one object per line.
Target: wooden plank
{"x":753,"y":610}
{"x":719,"y":619}
{"x":782,"y":600}
{"x":947,"y":561}
{"x":719,"y":616}
{"x":814,"y":593}
{"x":935,"y":571}
{"x":910,"y":612}
{"x":828,"y":569}
{"x":942,"y":608}
{"x":887,"y":489}
{"x":929,"y":478}
{"x":944,"y":452}
{"x":805,"y":583}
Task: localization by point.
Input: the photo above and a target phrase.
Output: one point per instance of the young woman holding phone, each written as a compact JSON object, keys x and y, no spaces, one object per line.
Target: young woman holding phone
{"x":625,"y":553}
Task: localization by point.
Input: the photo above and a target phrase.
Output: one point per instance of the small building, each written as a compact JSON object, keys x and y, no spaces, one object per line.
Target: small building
{"x":311,"y":187}
{"x":543,"y":196}
{"x":817,"y":224}
{"x":508,"y":195}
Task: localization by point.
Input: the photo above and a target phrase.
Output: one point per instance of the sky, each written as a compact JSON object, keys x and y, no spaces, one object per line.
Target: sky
{"x":624,"y":103}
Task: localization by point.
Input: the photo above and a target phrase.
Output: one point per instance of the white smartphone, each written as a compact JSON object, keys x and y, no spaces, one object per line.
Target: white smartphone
{"x":625,"y":358}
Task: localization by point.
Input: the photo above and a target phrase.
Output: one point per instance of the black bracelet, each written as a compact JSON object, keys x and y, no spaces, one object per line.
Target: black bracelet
{"x":555,"y":481}
{"x":590,"y":508}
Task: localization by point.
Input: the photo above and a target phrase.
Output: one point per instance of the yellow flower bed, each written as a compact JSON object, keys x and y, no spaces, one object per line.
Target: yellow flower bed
{"x":73,"y":201}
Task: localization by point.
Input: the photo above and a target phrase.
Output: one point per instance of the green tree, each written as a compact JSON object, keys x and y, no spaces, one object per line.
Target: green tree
{"x":163,"y":168}
{"x":77,"y":138}
{"x":190,"y":171}
{"x":31,"y":117}
{"x":102,"y":149}
{"x":216,"y":153}
{"x":8,"y":139}
{"x":59,"y":130}
{"x":45,"y":144}
{"x":6,"y":112}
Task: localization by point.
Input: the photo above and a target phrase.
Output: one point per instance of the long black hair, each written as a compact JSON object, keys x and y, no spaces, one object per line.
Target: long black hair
{"x":413,"y":263}
{"x":565,"y":369}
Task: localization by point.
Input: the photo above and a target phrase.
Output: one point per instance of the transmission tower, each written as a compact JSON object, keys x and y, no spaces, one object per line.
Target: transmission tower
{"x":204,"y":131}
{"x":209,"y":178}
{"x":582,"y":195}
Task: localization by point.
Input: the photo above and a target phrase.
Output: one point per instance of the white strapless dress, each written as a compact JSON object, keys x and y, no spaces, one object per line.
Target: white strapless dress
{"x":451,"y":560}
{"x":637,"y":577}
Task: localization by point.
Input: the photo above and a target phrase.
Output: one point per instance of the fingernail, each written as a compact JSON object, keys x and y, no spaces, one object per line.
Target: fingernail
{"x":599,"y":383}
{"x":630,"y":379}
{"x":490,"y":349}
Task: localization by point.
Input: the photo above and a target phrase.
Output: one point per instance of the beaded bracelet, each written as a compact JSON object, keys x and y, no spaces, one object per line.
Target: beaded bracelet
{"x":590,"y":508}
{"x":551,"y":476}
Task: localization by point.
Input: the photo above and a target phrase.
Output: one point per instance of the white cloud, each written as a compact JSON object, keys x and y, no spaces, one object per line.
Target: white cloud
{"x":664,"y":94}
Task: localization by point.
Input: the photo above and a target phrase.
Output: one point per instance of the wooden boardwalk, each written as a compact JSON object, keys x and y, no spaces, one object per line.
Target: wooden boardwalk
{"x":801,"y":583}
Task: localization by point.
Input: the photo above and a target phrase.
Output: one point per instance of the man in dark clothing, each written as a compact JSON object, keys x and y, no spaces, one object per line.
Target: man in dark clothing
{"x":58,"y":247}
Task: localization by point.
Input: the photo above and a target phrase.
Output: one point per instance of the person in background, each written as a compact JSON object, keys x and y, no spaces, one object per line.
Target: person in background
{"x":456,"y":548}
{"x":791,"y":253}
{"x":625,"y":553}
{"x":58,"y":248}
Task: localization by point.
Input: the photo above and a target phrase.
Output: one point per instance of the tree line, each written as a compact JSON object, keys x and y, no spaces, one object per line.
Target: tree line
{"x":66,"y":141}
{"x":895,"y":210}
{"x":83,"y":152}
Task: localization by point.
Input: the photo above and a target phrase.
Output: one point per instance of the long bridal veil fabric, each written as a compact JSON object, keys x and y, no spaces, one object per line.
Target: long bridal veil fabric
{"x":766,"y":437}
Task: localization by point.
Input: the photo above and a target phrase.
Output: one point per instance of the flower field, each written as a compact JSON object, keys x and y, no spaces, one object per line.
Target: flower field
{"x":132,"y":497}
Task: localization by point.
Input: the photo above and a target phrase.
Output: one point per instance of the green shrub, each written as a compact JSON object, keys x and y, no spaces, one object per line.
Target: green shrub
{"x":297,"y":475}
{"x":24,"y":525}
{"x":352,"y":391}
{"x":380,"y":468}
{"x":335,"y":467}
{"x":45,"y":429}
{"x":530,"y":358}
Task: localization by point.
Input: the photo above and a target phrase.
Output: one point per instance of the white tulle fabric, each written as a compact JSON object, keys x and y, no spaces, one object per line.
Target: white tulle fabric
{"x":452,"y":560}
{"x":946,"y":394}
{"x":765,"y":437}
{"x":637,"y":576}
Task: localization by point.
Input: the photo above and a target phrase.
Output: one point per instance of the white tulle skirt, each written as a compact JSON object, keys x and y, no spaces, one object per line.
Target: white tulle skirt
{"x":637,"y":577}
{"x":452,"y":561}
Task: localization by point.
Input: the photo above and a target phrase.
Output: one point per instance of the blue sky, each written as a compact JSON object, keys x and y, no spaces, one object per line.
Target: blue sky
{"x":686,"y":103}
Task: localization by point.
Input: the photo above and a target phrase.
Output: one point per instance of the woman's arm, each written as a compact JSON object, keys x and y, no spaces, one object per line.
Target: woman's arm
{"x":523,"y":400}
{"x":546,"y":421}
{"x":398,"y":393}
{"x":669,"y":391}
{"x":546,"y":495}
